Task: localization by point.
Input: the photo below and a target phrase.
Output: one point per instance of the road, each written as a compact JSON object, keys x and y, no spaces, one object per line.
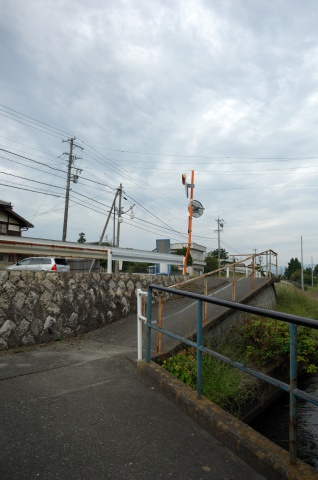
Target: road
{"x":78,"y":409}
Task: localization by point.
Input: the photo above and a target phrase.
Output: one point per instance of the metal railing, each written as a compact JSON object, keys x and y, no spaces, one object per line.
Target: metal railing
{"x":253,"y":271}
{"x":293,"y":320}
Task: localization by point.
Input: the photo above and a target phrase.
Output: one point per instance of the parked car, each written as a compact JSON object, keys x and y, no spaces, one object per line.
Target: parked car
{"x":41,"y":264}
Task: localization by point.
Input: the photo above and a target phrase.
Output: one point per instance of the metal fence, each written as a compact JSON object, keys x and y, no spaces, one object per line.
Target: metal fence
{"x":293,"y":320}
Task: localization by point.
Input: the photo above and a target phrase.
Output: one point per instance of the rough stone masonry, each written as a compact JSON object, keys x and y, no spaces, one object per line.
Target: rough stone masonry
{"x":38,"y":307}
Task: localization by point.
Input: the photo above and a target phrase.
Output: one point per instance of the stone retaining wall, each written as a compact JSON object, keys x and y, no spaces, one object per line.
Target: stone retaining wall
{"x":38,"y":307}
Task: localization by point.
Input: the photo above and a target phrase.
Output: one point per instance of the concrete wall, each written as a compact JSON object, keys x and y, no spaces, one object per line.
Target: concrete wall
{"x":38,"y":307}
{"x":227,"y":324}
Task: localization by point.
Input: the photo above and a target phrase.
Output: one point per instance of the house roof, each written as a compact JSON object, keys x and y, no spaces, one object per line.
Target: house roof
{"x":7,"y":207}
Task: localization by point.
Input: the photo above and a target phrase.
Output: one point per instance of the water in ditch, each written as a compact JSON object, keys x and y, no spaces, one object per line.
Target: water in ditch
{"x":274,"y":423}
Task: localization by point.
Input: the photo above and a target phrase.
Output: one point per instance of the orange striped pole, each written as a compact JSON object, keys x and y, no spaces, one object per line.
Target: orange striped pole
{"x":189,"y":225}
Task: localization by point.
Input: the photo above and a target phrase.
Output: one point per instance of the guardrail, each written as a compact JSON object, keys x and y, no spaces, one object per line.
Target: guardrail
{"x":293,"y":320}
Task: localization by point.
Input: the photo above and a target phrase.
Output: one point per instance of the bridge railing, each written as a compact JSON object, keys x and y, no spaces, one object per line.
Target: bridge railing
{"x":236,"y":269}
{"x":293,"y":320}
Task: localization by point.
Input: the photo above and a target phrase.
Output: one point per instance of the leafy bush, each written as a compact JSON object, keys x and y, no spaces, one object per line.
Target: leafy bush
{"x":221,"y":383}
{"x":268,"y":343}
{"x":183,"y":366}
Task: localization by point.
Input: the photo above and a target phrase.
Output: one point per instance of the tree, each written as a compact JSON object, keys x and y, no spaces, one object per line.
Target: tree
{"x":211,"y":259}
{"x":294,"y":266}
{"x":135,"y":267}
{"x":215,"y":253}
{"x":182,"y":252}
{"x":211,"y":263}
{"x":82,"y":238}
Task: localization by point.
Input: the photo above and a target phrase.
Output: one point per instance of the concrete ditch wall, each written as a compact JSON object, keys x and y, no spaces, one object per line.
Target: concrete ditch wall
{"x":222,"y":327}
{"x":38,"y":307}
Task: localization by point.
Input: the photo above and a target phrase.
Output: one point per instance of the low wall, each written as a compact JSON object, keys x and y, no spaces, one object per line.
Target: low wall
{"x":38,"y":307}
{"x":225,"y":325}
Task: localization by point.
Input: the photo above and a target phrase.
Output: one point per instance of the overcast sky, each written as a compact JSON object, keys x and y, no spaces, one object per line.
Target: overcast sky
{"x":154,"y":89}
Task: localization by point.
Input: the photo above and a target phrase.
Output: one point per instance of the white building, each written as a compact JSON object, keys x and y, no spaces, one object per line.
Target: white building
{"x":197,"y":253}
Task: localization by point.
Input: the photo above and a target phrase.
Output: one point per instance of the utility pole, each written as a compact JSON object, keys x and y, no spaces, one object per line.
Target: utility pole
{"x":220,"y":225}
{"x":119,"y":220}
{"x":104,"y":229}
{"x":119,"y":192}
{"x":68,"y":183}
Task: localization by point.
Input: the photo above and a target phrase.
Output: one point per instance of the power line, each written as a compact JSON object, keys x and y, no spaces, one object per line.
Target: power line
{"x":150,"y":213}
{"x":35,"y":121}
{"x":30,"y":180}
{"x":208,"y":156}
{"x":31,"y":126}
{"x":48,"y":166}
{"x":30,"y":190}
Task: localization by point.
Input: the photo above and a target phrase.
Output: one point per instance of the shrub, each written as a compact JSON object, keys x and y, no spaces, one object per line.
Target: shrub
{"x":268,"y":343}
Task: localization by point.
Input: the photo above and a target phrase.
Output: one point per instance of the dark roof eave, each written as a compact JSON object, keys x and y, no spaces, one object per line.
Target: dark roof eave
{"x":23,"y":222}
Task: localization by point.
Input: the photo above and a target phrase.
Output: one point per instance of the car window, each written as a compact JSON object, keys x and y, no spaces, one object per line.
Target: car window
{"x":26,"y":261}
{"x":46,"y":261}
{"x":35,"y":261}
{"x":60,"y":261}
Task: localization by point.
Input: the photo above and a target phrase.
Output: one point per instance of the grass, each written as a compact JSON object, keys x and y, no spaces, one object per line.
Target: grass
{"x":261,"y":343}
{"x":295,"y":301}
{"x":222,"y":384}
{"x":268,"y":339}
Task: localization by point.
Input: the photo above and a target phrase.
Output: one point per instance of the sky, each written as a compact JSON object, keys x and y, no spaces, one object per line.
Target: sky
{"x":150,"y":90}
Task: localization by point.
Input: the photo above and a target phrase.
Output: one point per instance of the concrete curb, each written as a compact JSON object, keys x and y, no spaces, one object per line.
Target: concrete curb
{"x":257,"y":451}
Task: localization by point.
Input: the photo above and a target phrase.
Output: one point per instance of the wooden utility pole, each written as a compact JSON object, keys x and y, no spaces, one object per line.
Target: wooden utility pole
{"x":119,"y":220}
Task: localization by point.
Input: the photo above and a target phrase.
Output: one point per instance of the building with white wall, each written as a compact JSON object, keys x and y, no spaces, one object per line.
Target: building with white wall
{"x":197,"y":253}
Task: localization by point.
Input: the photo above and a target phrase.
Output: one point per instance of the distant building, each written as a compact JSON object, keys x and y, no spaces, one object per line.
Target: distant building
{"x":11,"y":224}
{"x":197,"y":253}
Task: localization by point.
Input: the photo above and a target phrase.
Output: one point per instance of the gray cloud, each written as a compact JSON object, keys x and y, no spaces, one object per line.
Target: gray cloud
{"x":228,"y":89}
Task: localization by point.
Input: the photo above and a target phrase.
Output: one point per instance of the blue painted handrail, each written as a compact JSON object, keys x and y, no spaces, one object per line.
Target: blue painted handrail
{"x":293,"y":320}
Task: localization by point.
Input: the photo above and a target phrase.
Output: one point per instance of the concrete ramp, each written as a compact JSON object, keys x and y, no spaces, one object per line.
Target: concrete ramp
{"x":180,"y":315}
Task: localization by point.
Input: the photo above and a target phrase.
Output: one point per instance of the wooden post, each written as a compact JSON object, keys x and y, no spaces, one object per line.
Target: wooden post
{"x":234,"y":285}
{"x":253,"y":273}
{"x":205,"y":305}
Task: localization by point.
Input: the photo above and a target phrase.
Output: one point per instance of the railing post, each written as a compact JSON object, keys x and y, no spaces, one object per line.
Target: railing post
{"x":159,"y":323}
{"x":253,"y":273}
{"x":234,"y":285}
{"x":199,"y":353}
{"x":148,"y":328}
{"x":276,"y":266}
{"x":139,"y":324}
{"x":292,"y":397}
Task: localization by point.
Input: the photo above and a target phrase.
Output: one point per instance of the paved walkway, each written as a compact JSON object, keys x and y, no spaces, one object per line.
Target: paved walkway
{"x":180,"y":315}
{"x":78,"y":409}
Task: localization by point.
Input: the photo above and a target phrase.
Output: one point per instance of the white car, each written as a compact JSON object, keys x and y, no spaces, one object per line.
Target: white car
{"x":41,"y":264}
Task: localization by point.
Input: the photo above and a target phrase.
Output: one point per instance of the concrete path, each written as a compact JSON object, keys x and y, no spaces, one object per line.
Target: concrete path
{"x":180,"y":315}
{"x":78,"y":409}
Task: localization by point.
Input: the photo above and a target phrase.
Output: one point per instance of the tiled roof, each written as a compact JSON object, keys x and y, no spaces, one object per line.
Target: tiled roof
{"x":7,"y":204}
